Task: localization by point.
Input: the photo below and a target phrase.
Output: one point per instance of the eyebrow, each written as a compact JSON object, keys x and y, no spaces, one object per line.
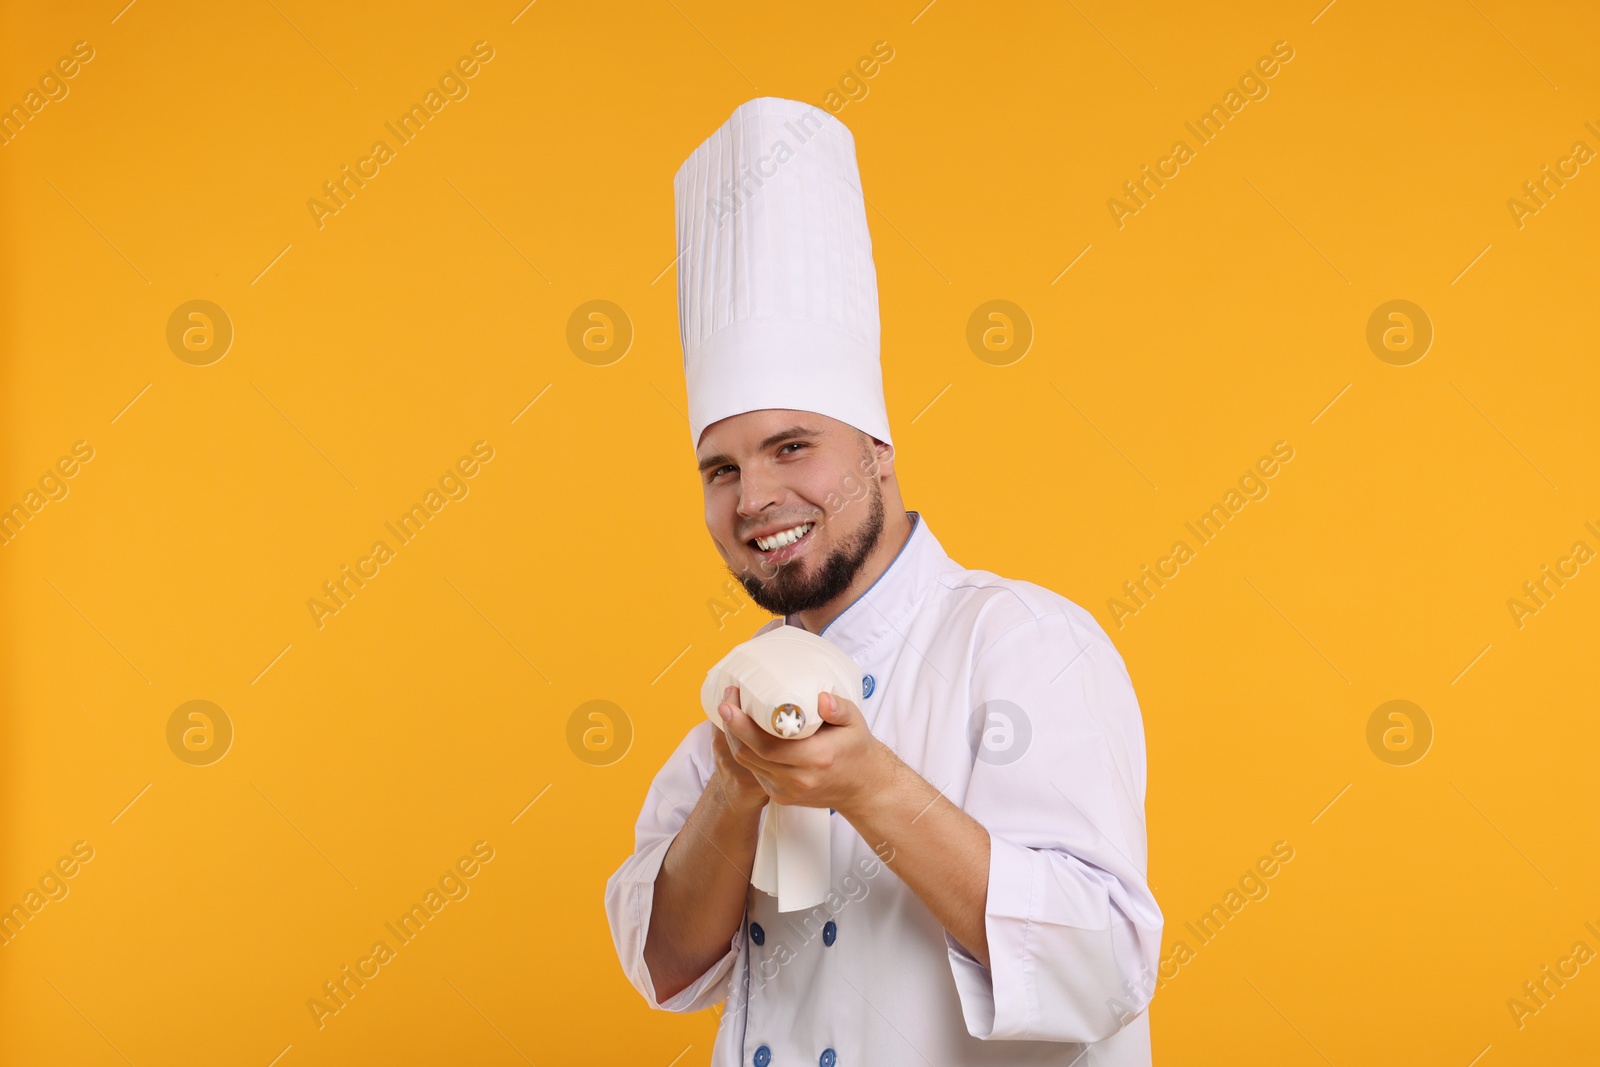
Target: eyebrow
{"x":781,"y":436}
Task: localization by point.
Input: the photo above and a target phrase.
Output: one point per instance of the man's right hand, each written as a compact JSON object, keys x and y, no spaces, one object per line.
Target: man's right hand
{"x":739,"y":788}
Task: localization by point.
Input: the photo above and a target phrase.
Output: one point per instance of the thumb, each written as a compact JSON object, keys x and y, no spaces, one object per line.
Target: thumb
{"x":835,"y":710}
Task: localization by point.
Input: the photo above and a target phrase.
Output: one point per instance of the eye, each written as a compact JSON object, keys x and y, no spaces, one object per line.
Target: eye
{"x":712,"y":476}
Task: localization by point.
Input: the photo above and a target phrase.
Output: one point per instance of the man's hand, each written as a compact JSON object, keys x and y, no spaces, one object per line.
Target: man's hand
{"x":937,"y":849}
{"x":837,"y":767}
{"x":738,"y":787}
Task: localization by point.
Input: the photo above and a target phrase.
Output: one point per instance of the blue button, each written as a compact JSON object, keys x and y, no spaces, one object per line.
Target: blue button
{"x":868,"y":684}
{"x":828,"y":1058}
{"x":763,"y":1056}
{"x":758,"y":935}
{"x":829,"y":932}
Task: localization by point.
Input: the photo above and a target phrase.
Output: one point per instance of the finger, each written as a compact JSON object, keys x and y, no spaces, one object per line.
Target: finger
{"x":739,"y":724}
{"x":837,"y":710}
{"x":754,"y":749}
{"x":752,"y":762}
{"x":729,"y":710}
{"x":775,"y":751}
{"x":738,"y":731}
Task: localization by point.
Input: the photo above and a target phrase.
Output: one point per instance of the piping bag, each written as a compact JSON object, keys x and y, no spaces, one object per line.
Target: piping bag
{"x":779,"y":675}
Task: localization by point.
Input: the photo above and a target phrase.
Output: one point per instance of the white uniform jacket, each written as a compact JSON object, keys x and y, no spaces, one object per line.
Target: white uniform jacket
{"x":1013,"y":701}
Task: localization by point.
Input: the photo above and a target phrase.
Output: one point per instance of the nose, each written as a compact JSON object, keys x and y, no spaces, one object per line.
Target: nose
{"x":757,"y":492}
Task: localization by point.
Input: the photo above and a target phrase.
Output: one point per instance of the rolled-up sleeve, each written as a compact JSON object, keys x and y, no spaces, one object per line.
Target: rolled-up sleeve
{"x":1074,"y":933}
{"x":630,"y":891}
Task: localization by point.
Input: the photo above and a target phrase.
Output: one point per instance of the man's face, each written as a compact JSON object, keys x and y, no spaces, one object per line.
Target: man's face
{"x":769,"y":471}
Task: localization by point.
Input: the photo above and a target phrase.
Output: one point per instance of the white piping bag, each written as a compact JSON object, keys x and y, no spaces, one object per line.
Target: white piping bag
{"x":779,"y":675}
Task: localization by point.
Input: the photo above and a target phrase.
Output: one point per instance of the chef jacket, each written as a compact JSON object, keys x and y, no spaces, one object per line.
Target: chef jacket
{"x":1013,"y":702}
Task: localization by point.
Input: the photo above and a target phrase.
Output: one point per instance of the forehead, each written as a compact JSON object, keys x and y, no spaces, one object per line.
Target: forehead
{"x":750,"y":430}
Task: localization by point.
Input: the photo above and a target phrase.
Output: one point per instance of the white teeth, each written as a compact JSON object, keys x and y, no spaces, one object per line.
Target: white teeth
{"x":783,"y":537}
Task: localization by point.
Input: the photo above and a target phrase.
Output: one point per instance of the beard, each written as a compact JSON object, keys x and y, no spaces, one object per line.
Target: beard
{"x":793,"y":590}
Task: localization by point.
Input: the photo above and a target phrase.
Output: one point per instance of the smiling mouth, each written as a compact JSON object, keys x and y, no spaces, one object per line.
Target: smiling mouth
{"x":782,"y":543}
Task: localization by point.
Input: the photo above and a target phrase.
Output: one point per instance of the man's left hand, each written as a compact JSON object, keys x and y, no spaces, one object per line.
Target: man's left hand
{"x":837,"y":767}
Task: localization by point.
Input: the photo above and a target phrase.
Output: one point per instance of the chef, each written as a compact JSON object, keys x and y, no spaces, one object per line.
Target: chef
{"x":988,"y":901}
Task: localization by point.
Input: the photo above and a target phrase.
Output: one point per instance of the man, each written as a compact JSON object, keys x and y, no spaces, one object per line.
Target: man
{"x":989,"y":900}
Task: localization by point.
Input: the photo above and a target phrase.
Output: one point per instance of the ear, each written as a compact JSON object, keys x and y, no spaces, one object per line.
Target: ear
{"x":877,"y":458}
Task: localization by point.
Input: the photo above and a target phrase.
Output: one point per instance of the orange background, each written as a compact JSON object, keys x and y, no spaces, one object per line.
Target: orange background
{"x":1230,"y":313}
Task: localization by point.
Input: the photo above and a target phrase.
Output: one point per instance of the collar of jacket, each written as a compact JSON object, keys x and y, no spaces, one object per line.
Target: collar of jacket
{"x":885,"y":609}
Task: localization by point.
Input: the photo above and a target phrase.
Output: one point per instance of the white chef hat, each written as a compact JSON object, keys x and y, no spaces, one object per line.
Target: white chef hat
{"x":777,"y":292}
